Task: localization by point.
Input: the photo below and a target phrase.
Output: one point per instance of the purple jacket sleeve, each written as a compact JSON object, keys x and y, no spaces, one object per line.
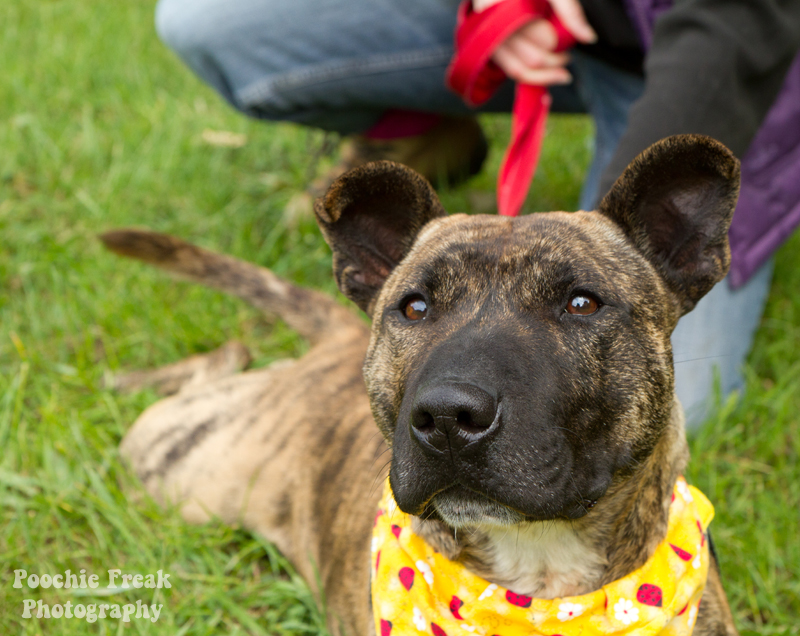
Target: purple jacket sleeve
{"x":715,"y":67}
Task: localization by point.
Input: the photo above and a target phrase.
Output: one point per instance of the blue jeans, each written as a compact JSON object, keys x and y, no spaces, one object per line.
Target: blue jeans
{"x":339,"y":64}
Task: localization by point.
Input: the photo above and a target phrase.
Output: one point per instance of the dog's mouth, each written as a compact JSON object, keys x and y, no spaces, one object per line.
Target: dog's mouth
{"x":460,"y":507}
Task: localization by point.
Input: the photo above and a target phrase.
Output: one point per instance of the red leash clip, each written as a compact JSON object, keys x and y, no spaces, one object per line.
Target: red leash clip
{"x":473,"y":75}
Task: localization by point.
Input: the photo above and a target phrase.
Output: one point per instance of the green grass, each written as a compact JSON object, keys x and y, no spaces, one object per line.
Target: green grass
{"x":101,"y":127}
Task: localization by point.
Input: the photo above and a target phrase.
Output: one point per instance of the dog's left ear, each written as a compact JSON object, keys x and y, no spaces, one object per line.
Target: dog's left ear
{"x":676,"y":201}
{"x":370,"y":217}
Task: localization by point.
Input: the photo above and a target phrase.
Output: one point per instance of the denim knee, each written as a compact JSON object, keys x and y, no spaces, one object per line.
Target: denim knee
{"x":199,"y":32}
{"x":177,"y":24}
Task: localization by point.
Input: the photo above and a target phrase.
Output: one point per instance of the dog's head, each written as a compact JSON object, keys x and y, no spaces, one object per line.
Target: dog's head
{"x":518,"y":366}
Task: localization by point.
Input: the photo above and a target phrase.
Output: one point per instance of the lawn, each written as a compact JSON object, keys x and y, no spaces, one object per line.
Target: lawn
{"x":100,"y":127}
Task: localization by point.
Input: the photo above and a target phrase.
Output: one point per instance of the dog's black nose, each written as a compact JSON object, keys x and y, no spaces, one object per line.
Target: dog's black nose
{"x":452,"y":415}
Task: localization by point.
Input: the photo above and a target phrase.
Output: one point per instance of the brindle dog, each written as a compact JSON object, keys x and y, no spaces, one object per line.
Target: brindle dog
{"x":519,"y":370}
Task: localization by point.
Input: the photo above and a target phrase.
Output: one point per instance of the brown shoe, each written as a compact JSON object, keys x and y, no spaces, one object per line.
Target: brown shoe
{"x":447,"y":154}
{"x":450,"y":152}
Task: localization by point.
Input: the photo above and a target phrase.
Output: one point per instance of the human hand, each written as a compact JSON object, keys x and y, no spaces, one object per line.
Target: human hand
{"x":528,"y":56}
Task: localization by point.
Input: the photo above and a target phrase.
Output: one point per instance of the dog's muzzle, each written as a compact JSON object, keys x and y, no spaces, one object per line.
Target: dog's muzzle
{"x":455,"y":417}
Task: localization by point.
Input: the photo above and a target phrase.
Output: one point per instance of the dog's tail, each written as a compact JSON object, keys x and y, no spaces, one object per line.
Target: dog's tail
{"x":312,"y":314}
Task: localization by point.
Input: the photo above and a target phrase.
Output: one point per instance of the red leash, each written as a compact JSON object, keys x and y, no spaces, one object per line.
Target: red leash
{"x":473,"y":75}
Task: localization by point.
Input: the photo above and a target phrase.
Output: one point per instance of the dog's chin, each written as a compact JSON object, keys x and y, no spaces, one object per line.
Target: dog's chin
{"x":459,"y":507}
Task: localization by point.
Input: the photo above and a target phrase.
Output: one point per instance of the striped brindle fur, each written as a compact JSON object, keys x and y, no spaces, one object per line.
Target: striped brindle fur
{"x":538,"y":446}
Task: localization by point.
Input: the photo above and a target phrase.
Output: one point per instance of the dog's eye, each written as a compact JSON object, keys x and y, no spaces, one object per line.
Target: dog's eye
{"x":581,"y":305}
{"x":415,"y":308}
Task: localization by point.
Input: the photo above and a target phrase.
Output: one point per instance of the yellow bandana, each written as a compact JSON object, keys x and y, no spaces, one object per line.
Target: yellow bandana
{"x":416,"y":590}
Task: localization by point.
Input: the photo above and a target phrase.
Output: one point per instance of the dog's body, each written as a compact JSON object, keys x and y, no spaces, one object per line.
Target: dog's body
{"x":520,"y":371}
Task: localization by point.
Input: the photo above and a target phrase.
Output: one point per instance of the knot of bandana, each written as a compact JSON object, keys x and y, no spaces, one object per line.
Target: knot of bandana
{"x":416,"y":590}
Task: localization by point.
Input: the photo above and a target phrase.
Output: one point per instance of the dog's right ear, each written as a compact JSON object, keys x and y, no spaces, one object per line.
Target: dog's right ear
{"x":370,"y":217}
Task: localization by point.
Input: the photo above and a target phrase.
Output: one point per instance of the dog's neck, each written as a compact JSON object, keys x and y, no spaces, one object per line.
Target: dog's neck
{"x":568,"y":558}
